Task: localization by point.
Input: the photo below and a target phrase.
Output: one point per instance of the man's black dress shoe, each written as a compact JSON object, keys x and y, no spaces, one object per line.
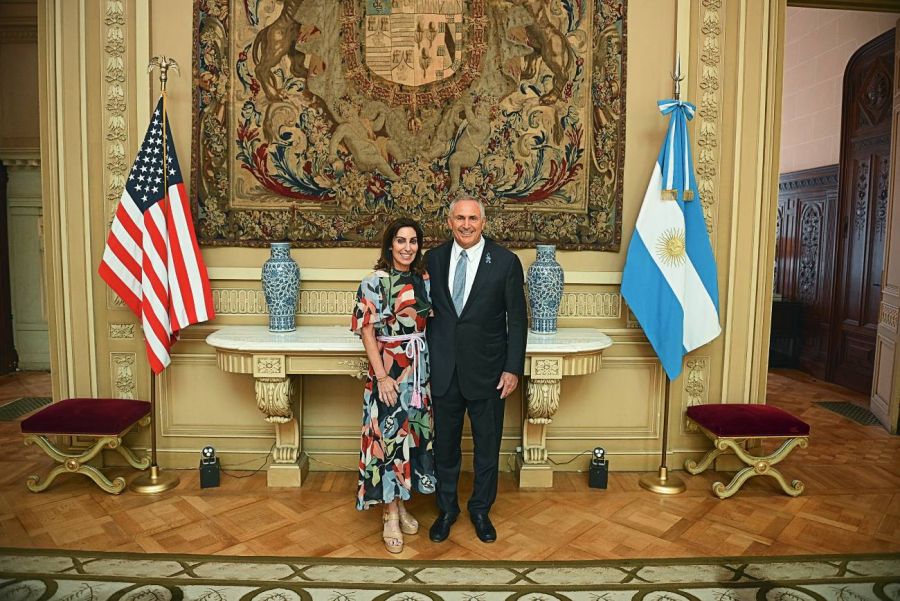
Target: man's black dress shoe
{"x":440,"y":529}
{"x":483,"y":527}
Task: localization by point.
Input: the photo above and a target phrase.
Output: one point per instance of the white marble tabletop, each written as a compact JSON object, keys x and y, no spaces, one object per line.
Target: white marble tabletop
{"x":258,"y":339}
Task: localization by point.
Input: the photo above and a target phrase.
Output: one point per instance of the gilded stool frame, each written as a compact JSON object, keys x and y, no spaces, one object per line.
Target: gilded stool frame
{"x":756,"y":465}
{"x":76,"y":463}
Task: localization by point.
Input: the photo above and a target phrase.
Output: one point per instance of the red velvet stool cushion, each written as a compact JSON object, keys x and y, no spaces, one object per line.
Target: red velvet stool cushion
{"x":745,"y":421}
{"x":90,"y":417}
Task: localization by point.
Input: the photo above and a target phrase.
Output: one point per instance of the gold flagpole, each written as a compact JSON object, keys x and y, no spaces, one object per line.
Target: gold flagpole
{"x":154,"y":481}
{"x":663,"y":483}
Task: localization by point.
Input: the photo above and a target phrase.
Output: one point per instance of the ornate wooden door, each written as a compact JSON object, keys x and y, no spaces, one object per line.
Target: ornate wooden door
{"x":865,"y":161}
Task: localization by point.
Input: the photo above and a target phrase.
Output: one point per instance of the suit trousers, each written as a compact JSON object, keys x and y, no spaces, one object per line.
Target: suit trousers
{"x":486,"y":418}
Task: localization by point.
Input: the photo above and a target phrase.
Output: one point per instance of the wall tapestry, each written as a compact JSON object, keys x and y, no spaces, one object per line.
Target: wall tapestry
{"x":316,"y":121}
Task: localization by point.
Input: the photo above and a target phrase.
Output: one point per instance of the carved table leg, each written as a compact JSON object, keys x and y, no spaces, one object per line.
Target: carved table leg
{"x":274,"y":399}
{"x":543,"y":402}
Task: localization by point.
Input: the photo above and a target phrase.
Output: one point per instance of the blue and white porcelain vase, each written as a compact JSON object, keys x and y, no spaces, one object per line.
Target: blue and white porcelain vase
{"x":545,"y":288}
{"x":281,"y":285}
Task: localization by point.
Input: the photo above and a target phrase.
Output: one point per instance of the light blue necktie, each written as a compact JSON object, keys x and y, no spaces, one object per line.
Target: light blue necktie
{"x":459,"y":282}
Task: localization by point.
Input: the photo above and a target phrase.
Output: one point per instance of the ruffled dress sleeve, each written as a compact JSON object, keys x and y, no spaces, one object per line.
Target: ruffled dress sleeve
{"x":369,"y":301}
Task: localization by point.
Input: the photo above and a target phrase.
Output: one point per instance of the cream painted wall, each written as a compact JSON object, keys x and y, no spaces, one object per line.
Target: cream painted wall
{"x":94,"y":79}
{"x":818,"y":45}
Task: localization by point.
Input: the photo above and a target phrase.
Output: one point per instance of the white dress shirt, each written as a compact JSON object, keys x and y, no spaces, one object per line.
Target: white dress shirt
{"x":473,"y":255}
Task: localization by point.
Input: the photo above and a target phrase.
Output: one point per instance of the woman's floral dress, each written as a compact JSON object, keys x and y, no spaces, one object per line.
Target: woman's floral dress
{"x":396,"y":445}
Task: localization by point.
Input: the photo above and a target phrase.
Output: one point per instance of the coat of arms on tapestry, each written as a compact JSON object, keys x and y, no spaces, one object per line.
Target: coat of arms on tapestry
{"x":319,"y":120}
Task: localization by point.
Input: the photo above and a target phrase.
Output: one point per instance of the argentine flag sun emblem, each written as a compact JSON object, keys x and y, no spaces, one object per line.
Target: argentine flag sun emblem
{"x":670,"y":247}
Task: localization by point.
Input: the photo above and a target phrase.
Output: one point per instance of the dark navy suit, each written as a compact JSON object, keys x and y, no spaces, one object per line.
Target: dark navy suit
{"x":468,"y":353}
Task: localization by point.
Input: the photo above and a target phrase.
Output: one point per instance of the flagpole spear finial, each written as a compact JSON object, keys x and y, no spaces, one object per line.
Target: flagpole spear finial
{"x":677,"y":77}
{"x":164,"y":63}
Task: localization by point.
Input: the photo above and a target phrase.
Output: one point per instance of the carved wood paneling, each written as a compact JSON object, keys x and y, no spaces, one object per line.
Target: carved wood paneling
{"x":806,"y":228}
{"x":811,"y":221}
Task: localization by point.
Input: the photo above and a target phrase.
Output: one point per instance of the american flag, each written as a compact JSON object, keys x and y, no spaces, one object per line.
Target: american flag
{"x":152,"y":260}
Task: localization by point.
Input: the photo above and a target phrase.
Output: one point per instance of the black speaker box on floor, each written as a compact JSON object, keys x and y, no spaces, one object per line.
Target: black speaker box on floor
{"x":598,"y":473}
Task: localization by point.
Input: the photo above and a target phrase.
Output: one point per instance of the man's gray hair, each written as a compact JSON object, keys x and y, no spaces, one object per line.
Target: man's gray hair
{"x":459,"y":199}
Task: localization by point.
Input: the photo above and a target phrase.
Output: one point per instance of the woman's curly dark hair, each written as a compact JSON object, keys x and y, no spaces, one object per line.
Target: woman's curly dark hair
{"x":386,"y":261}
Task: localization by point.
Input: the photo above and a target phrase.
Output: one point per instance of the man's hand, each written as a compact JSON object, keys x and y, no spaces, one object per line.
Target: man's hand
{"x":508,"y":382}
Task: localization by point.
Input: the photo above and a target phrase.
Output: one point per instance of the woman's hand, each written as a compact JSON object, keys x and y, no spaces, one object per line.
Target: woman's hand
{"x":388,"y":390}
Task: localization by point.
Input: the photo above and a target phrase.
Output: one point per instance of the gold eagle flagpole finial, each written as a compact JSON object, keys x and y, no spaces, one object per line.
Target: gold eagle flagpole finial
{"x":163,"y":63}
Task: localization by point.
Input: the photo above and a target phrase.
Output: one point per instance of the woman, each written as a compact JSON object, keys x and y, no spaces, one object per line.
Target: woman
{"x":393,"y":305}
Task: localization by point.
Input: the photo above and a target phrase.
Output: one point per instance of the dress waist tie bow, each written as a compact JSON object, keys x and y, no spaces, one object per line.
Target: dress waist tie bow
{"x":415,"y":344}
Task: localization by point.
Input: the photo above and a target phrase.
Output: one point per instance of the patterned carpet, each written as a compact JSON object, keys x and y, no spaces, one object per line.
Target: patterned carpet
{"x":36,"y":574}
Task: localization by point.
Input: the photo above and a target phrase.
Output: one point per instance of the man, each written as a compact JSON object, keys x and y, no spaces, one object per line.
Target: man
{"x":476,"y":339}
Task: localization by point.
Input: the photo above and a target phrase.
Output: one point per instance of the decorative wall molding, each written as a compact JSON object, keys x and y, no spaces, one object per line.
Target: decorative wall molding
{"x":18,"y":34}
{"x":887,"y":316}
{"x":121,"y":331}
{"x":122,"y":372}
{"x":334,"y":301}
{"x":710,"y":111}
{"x":197,"y":429}
{"x":603,"y":305}
{"x":695,"y":387}
{"x":809,"y":178}
{"x":631,"y":321}
{"x":312,"y":274}
{"x":115,"y":117}
{"x":20,"y":161}
{"x":239,"y":301}
{"x":113,"y":300}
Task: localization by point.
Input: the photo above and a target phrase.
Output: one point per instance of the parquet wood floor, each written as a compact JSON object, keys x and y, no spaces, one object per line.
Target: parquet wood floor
{"x":851,"y":505}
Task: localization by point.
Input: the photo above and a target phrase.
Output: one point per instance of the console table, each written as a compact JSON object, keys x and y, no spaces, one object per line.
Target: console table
{"x":278,"y":361}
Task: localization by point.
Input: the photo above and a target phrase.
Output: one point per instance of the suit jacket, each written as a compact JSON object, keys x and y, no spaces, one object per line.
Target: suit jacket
{"x":490,"y":335}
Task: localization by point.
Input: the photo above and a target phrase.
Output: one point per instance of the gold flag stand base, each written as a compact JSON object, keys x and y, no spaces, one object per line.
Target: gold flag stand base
{"x":154,"y":482}
{"x":663,"y":484}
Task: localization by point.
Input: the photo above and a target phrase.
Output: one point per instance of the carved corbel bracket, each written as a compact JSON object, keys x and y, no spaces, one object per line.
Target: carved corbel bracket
{"x":543,"y":402}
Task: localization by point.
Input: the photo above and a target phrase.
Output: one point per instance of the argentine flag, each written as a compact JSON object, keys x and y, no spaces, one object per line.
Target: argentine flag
{"x":669,"y":281}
